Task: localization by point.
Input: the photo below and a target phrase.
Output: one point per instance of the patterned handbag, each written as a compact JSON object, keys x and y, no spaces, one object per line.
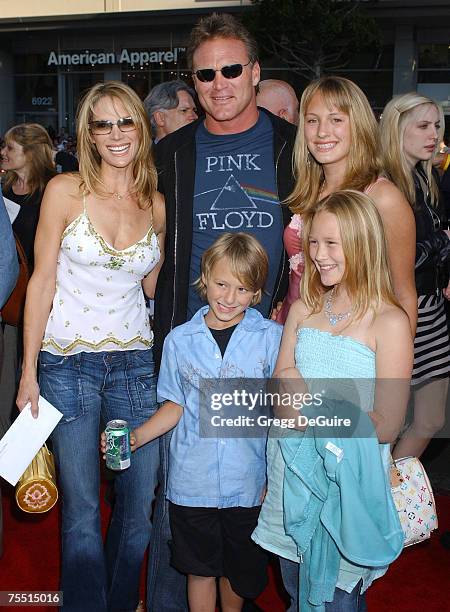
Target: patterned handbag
{"x":414,"y":499}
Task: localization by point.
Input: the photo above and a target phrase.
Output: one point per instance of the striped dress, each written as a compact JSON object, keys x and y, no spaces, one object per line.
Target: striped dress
{"x":431,"y":344}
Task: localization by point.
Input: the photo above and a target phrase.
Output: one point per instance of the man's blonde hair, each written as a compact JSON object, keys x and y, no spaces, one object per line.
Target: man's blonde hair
{"x":144,"y":172}
{"x":362,"y":163}
{"x":367,"y":276}
{"x":246,"y":257}
{"x":220,"y":25}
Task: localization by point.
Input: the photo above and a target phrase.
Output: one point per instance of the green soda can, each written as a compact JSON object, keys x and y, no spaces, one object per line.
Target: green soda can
{"x":118,"y":451}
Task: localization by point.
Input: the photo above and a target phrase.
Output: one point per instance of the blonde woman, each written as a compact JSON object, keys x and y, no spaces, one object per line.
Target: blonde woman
{"x":348,"y":326}
{"x":410,"y":132}
{"x":98,"y":246}
{"x":336,"y":148}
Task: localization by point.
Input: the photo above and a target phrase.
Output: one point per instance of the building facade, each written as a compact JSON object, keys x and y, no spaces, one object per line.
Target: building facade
{"x":50,"y":52}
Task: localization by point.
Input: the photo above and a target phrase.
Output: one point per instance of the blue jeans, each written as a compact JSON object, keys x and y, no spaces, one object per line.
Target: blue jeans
{"x":348,"y":602}
{"x":290,"y":574}
{"x":85,"y":386}
{"x":166,"y":587}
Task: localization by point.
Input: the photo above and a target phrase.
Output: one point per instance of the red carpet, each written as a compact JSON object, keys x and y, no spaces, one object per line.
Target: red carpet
{"x":419,"y":580}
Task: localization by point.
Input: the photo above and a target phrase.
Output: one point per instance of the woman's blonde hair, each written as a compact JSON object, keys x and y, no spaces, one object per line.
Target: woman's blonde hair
{"x":37,"y":148}
{"x":144,"y":172}
{"x":397,"y":115}
{"x":246,"y":257}
{"x":367,"y":276}
{"x":362,"y":162}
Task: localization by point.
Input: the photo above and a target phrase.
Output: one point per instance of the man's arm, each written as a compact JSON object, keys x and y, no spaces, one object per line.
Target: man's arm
{"x":9,"y":265}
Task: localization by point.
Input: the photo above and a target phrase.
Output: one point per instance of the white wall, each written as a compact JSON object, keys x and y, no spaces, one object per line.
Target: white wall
{"x":48,"y":8}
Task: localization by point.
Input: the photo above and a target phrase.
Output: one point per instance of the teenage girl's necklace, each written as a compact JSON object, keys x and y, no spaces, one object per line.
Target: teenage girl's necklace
{"x":322,"y":187}
{"x":332,"y":317}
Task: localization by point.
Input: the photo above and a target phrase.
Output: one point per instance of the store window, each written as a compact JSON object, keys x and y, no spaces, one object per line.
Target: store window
{"x":143,"y":81}
{"x":37,"y":93}
{"x":37,"y":99}
{"x":434,"y":56}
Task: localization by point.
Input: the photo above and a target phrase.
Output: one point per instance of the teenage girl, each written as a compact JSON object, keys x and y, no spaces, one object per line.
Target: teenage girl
{"x":348,"y":325}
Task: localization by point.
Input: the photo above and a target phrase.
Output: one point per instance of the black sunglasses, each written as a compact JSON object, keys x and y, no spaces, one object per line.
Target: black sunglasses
{"x":102,"y":127}
{"x":206,"y":75}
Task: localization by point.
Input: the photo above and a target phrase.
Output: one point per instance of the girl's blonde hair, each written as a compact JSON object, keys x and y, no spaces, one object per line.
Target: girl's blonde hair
{"x":362,"y":162}
{"x":246,"y":257}
{"x":397,"y":115}
{"x":144,"y":172}
{"x":37,"y":148}
{"x":367,"y":276}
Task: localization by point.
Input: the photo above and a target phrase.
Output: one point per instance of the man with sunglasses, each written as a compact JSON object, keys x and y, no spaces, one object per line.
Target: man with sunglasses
{"x":225,"y":172}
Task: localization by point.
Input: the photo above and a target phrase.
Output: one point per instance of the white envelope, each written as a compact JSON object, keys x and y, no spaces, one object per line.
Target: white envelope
{"x":24,"y":438}
{"x":12,"y":209}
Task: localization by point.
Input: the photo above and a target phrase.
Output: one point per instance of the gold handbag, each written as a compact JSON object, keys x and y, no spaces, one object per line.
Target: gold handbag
{"x":36,"y":490}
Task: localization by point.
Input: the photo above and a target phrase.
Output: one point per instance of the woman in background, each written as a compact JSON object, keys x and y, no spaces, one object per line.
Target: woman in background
{"x":410,"y":131}
{"x":28,"y":165}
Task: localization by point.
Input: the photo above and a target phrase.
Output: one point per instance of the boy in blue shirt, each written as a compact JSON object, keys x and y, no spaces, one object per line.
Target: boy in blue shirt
{"x":216,"y":485}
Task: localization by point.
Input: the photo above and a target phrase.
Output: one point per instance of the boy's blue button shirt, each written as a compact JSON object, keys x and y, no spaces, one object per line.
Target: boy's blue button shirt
{"x":215,"y":472}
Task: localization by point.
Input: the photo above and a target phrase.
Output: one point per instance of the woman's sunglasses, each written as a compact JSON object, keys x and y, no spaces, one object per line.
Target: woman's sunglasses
{"x":206,"y":75}
{"x":125,"y":124}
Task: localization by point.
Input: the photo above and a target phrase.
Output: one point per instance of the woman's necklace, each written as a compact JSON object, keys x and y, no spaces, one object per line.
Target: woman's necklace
{"x":332,"y":317}
{"x":119,"y":196}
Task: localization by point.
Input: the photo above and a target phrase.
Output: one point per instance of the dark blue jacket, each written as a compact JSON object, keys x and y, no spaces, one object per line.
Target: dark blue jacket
{"x":9,"y":265}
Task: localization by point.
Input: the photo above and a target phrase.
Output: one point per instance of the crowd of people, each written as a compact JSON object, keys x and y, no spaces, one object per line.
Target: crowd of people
{"x":285,"y":240}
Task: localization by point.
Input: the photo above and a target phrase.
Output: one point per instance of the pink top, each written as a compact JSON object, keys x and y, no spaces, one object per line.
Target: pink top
{"x":292,"y":239}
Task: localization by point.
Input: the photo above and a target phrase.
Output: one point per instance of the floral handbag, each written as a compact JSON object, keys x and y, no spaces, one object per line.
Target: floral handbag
{"x":36,"y":490}
{"x":414,"y":499}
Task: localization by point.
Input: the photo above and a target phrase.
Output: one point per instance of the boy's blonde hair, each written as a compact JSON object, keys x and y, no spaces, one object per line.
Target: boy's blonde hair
{"x":363,"y":166}
{"x":367,"y":276}
{"x":246,"y":257}
{"x":397,"y":115}
{"x":144,"y":172}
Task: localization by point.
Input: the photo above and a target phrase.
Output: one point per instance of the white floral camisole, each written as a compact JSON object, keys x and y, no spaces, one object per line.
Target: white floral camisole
{"x":99,"y":302}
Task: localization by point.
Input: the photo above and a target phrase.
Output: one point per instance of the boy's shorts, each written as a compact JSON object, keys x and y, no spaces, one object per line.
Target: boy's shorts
{"x":216,"y":542}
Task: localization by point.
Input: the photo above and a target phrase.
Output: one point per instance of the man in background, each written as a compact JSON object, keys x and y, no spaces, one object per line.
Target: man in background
{"x":279,"y":98}
{"x":170,"y":106}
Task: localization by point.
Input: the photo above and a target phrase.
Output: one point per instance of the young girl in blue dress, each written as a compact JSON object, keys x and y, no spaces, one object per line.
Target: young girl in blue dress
{"x":347,"y":326}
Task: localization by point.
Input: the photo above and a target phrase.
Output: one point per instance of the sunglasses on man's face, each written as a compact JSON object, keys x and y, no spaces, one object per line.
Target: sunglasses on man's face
{"x":206,"y":75}
{"x":103,"y":127}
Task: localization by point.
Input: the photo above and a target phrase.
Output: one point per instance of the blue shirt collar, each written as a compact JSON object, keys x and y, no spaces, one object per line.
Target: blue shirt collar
{"x":252,"y":321}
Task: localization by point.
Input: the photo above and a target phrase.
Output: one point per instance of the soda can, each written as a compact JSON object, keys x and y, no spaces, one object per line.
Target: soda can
{"x":118,"y":451}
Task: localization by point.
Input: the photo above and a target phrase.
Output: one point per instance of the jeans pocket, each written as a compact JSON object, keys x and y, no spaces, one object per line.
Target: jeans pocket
{"x":146,"y":394}
{"x":48,"y":360}
{"x":60,"y":384}
{"x":144,"y":359}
